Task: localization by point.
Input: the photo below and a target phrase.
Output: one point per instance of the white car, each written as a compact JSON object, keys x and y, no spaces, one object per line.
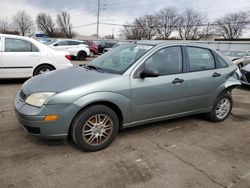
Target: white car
{"x":76,"y":48}
{"x":23,"y":57}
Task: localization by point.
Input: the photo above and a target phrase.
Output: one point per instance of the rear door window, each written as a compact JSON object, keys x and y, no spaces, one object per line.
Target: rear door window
{"x":72,"y":43}
{"x":221,"y":63}
{"x":19,"y":45}
{"x":62,"y":43}
{"x":200,"y":59}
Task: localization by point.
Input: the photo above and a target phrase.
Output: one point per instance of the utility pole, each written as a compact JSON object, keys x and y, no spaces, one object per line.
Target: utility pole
{"x":97,"y":22}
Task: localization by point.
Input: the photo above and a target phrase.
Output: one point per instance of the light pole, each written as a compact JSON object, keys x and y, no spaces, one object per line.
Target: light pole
{"x":97,"y":22}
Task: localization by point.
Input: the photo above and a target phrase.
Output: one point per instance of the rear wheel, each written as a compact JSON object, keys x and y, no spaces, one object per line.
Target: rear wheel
{"x":95,"y":128}
{"x":222,"y":108}
{"x":82,"y":55}
{"x":43,"y":69}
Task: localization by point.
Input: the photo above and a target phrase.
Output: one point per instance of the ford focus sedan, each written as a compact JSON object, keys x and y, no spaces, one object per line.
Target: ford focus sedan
{"x":133,"y":84}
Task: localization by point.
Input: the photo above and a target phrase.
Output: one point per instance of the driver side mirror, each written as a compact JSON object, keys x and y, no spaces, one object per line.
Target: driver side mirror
{"x":149,"y":73}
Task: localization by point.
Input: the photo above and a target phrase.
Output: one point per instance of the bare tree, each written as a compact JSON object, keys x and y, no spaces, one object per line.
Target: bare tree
{"x":45,"y":24}
{"x":147,"y":25}
{"x":23,"y":23}
{"x":132,"y":32}
{"x":167,"y":21}
{"x":63,"y":21}
{"x":190,"y":25}
{"x":4,"y":26}
{"x":232,"y":26}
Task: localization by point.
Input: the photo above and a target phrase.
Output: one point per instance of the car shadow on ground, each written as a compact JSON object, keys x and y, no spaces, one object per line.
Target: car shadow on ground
{"x":170,"y":125}
{"x":245,"y":87}
{"x":13,"y":81}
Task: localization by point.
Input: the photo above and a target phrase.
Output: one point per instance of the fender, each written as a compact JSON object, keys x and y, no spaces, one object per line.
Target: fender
{"x":234,"y":80}
{"x":231,"y":82}
{"x":123,"y":102}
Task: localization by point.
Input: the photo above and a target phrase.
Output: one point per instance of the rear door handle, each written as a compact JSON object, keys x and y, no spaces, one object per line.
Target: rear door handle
{"x":177,"y":81}
{"x":34,"y":55}
{"x":216,"y":74}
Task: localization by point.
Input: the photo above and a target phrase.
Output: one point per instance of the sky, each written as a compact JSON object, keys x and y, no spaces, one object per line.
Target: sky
{"x":84,"y":12}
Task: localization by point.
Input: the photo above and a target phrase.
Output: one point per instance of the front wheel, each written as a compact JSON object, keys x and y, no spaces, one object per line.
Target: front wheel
{"x":221,"y":109}
{"x":95,"y":128}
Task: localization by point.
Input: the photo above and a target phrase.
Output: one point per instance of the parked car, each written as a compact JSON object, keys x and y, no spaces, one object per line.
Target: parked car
{"x":133,"y":84}
{"x":104,"y":44}
{"x":92,"y":47}
{"x":75,"y":47}
{"x":245,"y":79}
{"x":239,"y":57}
{"x":116,"y":45}
{"x":23,"y":57}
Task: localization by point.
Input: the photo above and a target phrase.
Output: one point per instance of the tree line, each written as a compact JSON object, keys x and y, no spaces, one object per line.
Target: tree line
{"x":23,"y":24}
{"x":188,"y":25}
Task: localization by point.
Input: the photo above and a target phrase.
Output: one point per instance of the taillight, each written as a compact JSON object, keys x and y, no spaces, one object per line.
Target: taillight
{"x":68,"y":57}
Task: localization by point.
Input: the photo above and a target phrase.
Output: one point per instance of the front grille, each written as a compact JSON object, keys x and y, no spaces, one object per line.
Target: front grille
{"x":32,"y":130}
{"x":23,"y":96}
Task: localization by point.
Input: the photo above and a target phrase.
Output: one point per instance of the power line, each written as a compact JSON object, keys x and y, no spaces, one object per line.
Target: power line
{"x":190,"y":25}
{"x":84,"y":25}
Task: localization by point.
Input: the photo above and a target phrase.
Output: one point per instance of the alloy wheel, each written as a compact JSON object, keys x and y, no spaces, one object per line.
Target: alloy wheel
{"x":97,"y":129}
{"x":223,"y":108}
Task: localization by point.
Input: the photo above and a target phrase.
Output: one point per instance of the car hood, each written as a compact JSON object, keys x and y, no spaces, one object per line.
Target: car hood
{"x":64,"y":79}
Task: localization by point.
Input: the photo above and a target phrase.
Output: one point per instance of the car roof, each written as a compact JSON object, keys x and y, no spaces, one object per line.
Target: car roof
{"x":69,"y":40}
{"x":14,"y":36}
{"x":231,"y":50}
{"x":171,"y":43}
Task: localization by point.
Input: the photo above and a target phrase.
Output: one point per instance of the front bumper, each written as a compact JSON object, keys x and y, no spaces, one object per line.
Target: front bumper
{"x":31,"y":118}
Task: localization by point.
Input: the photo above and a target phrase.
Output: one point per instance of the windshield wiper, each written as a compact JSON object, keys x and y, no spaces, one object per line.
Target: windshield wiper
{"x":89,"y":67}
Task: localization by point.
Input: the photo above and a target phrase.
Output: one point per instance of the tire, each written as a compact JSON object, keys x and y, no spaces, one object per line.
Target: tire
{"x":92,"y":54}
{"x":43,"y":69}
{"x":214,"y":115}
{"x":88,"y":135}
{"x":82,"y":56}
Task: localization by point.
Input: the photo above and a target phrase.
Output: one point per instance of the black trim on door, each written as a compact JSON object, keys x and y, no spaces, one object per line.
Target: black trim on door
{"x":16,"y":67}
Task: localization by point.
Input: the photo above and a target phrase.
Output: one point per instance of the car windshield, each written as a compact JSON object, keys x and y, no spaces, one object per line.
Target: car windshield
{"x":233,"y":53}
{"x":121,"y":58}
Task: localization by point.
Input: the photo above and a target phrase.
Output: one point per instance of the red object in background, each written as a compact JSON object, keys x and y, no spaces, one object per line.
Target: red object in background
{"x":92,"y":46}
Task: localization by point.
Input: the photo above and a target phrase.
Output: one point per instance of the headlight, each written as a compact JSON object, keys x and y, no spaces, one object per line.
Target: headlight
{"x":38,"y":99}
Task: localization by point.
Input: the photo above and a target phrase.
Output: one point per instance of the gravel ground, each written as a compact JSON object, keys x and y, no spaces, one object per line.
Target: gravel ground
{"x":186,"y":152}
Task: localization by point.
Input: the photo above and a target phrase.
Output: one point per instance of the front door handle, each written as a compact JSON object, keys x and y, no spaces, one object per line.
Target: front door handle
{"x":216,"y":74}
{"x":177,"y":81}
